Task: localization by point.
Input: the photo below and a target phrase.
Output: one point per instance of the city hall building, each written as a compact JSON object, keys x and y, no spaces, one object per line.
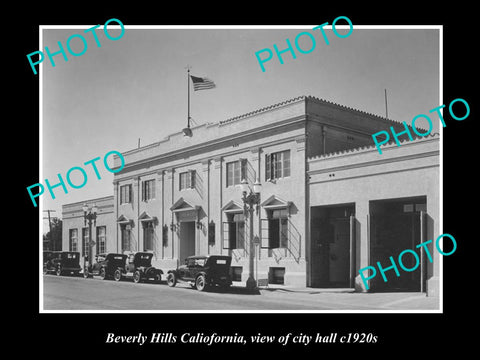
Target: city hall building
{"x":76,"y":232}
{"x":330,"y":204}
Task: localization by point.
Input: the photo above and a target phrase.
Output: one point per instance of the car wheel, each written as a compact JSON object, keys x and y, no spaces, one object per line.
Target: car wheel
{"x":137,"y":277}
{"x":171,"y":280}
{"x":59,"y":271}
{"x":103,"y":274}
{"x":158,"y":278}
{"x":118,"y":275}
{"x":201,"y":283}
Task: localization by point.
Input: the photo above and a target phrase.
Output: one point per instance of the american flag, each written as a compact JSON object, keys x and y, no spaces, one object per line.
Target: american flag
{"x":202,"y":83}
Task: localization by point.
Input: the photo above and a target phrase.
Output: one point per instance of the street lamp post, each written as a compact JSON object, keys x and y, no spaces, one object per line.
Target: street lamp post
{"x":251,"y":201}
{"x":90,"y":215}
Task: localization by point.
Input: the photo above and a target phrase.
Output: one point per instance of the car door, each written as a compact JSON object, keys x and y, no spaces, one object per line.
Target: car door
{"x":190,"y":269}
{"x":182,"y":270}
{"x":197,"y":267}
{"x":96,"y":266}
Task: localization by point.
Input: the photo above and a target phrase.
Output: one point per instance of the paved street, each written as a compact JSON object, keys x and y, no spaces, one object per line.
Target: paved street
{"x":77,"y":293}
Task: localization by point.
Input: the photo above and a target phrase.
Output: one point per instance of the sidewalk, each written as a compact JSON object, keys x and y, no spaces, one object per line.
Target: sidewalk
{"x":306,"y":290}
{"x":347,"y":298}
{"x":297,"y":289}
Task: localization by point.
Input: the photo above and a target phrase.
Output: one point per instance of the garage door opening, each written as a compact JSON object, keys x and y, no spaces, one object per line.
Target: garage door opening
{"x":333,"y":246}
{"x":397,"y":225}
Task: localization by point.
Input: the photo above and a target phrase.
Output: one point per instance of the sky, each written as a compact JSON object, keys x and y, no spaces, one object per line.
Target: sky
{"x":136,"y":87}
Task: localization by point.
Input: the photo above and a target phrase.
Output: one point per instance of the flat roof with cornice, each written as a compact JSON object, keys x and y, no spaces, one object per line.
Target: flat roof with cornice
{"x":205,"y":135}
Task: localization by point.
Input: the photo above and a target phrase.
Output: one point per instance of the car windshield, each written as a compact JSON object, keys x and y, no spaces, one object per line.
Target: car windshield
{"x":196,"y":262}
{"x":200,"y":262}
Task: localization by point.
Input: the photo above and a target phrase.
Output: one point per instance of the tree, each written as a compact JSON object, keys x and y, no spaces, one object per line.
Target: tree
{"x":52,"y":240}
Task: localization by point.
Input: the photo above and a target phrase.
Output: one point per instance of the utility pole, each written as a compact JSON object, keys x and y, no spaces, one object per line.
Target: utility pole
{"x":386,"y":105}
{"x":52,"y":243}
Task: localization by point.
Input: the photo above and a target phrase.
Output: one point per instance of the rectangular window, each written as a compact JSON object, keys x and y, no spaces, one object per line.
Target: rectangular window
{"x":277,"y":165}
{"x":268,"y":167}
{"x":85,"y":239}
{"x":236,"y":172}
{"x":73,"y":240}
{"x":148,"y":233}
{"x":211,"y":233}
{"x":101,"y":239}
{"x":148,"y":190}
{"x":420,"y":207}
{"x":187,"y":180}
{"x":414,"y":207}
{"x":125,"y":230}
{"x":125,"y":194}
{"x":234,"y":232}
{"x":236,"y":273}
{"x":275,"y":231}
{"x":237,"y":231}
{"x":276,"y":275}
{"x":283,"y":232}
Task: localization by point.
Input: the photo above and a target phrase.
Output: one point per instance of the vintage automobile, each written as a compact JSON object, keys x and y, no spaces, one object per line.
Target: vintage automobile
{"x":202,"y":272}
{"x":47,"y":258}
{"x":105,"y":265}
{"x":61,"y":262}
{"x":139,"y":266}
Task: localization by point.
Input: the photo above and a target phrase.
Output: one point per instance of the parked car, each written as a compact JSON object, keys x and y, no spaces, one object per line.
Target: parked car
{"x":61,"y":262}
{"x":202,"y":272}
{"x":47,"y":257}
{"x":139,"y":266}
{"x":105,"y":265}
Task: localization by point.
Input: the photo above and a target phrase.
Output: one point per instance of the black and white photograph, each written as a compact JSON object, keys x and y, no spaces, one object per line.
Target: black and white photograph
{"x":207,"y":173}
{"x":235,"y":186}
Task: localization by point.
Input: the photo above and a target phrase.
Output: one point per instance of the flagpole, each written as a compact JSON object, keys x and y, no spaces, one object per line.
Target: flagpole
{"x":188,"y":96}
{"x":187,"y":131}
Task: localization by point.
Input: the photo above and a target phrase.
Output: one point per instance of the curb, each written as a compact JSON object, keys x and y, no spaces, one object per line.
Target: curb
{"x":304,"y":290}
{"x":310,"y":291}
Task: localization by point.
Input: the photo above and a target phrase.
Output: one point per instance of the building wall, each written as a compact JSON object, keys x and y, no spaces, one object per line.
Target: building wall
{"x":363,"y":175}
{"x":73,"y":218}
{"x":312,"y":130}
{"x":211,"y":194}
{"x":207,"y":153}
{"x":332,"y":127}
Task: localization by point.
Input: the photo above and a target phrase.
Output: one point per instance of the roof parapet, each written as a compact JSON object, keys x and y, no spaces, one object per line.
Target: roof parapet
{"x":366,"y":148}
